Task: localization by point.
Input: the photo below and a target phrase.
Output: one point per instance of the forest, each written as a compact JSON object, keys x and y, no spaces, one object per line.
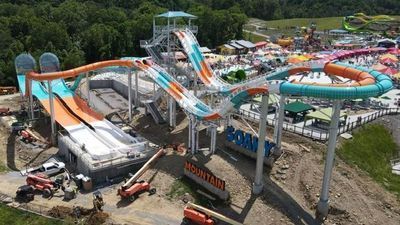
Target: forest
{"x":82,"y":32}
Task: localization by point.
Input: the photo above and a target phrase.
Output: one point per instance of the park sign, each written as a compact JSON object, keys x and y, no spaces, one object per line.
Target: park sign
{"x":206,"y":179}
{"x":246,"y":141}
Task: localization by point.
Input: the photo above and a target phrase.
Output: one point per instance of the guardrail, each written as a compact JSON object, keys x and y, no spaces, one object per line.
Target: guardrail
{"x":320,"y":134}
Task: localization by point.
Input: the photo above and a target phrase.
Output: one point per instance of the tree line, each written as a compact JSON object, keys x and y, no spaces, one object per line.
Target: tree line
{"x":82,"y":32}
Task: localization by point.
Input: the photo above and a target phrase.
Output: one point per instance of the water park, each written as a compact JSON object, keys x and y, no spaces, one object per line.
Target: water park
{"x":134,"y":125}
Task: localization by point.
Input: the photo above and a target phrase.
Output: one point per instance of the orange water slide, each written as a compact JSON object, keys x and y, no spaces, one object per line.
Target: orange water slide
{"x":79,"y":70}
{"x":61,"y":114}
{"x":361,"y":78}
{"x":82,"y":109}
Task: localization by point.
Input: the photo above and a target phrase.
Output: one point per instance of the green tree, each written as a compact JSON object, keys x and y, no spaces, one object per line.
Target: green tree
{"x":73,"y":58}
{"x":240,"y":75}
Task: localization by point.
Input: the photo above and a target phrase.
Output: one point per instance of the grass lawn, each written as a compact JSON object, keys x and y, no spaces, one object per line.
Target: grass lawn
{"x":285,"y":26}
{"x":252,"y":37}
{"x":185,"y":185}
{"x":371,"y":149}
{"x":3,"y":168}
{"x":11,"y":216}
{"x":322,"y":23}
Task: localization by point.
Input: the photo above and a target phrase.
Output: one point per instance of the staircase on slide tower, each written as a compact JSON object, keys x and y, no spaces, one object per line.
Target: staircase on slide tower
{"x":164,"y":47}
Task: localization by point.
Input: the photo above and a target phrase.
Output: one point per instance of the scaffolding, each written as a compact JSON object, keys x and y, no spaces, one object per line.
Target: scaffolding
{"x":164,"y":46}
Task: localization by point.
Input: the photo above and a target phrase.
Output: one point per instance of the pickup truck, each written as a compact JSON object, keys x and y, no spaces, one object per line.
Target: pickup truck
{"x":50,"y":169}
{"x":17,"y":126}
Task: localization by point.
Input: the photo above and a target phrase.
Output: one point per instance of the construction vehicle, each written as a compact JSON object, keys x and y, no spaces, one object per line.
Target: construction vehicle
{"x":8,"y":90}
{"x":42,"y":183}
{"x":202,"y":216}
{"x":25,"y":193}
{"x":5,"y":111}
{"x":26,"y":137}
{"x":98,"y":201}
{"x":132,"y":189}
{"x":17,"y":126}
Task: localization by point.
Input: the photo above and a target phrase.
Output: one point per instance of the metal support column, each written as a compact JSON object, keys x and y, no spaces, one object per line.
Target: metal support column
{"x":258,"y":181}
{"x":194,"y":143}
{"x":154,"y":88}
{"x":130,"y":94}
{"x":279,"y":125}
{"x":31,"y":109}
{"x":171,"y":101}
{"x":213,"y":138}
{"x":88,"y":87}
{"x":195,"y":86}
{"x":190,"y":132}
{"x":172,"y":112}
{"x":137,"y":89}
{"x":323,"y":204}
{"x":52,"y":114}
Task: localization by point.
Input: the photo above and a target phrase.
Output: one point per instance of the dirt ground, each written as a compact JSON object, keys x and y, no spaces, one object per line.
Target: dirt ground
{"x":290,"y":194}
{"x":292,"y":187}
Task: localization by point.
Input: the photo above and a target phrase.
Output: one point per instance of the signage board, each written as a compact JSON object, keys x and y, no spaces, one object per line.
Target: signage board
{"x":206,"y":179}
{"x":246,"y":140}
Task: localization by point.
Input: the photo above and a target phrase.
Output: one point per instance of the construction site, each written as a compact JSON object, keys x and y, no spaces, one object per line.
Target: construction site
{"x":165,"y":140}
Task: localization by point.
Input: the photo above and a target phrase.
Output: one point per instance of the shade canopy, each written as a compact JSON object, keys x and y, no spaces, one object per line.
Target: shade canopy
{"x":324,"y":114}
{"x":273,"y":98}
{"x":298,"y":107}
{"x":175,"y":14}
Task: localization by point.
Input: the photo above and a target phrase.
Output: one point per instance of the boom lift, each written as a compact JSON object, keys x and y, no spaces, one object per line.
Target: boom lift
{"x":132,"y":188}
{"x":203,"y":216}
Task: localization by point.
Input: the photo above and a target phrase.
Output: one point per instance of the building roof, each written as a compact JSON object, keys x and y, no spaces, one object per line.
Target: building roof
{"x":386,"y":40}
{"x":174,"y":14}
{"x":339,"y":31}
{"x":324,"y":114}
{"x":297,"y":107}
{"x":205,"y":50}
{"x":261,"y":43}
{"x":236,"y":45}
{"x":228,"y":46}
{"x":246,"y":44}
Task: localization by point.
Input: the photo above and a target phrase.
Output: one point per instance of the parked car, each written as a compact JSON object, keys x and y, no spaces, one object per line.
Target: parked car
{"x":50,"y":169}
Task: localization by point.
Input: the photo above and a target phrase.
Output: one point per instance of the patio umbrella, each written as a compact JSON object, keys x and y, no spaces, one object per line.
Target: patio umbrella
{"x":397,"y":75}
{"x":394,"y":51}
{"x":389,"y":71}
{"x":388,"y":61}
{"x":294,"y":60}
{"x":379,"y":67}
{"x":389,"y":56}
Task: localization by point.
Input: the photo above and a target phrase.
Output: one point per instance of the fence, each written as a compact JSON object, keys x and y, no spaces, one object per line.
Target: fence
{"x":315,"y":133}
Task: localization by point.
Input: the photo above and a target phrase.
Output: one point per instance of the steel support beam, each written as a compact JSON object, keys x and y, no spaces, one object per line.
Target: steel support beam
{"x":52,"y":114}
{"x":137,"y":103}
{"x":213,"y":132}
{"x":258,"y":181}
{"x":323,"y":204}
{"x":130,"y":94}
{"x":31,"y":109}
{"x":279,"y":125}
